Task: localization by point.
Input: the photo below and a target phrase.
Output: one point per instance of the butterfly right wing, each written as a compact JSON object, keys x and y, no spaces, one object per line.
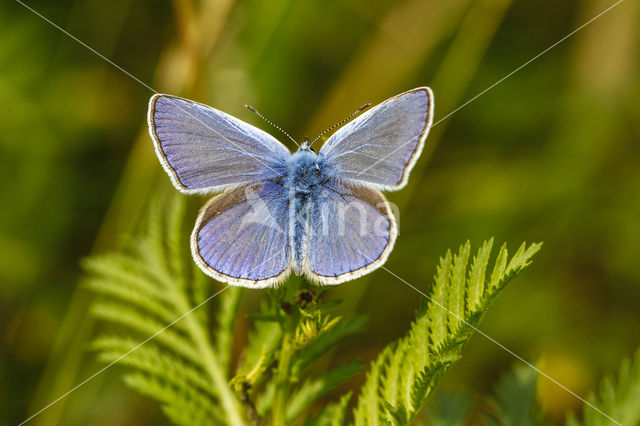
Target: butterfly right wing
{"x":204,"y":150}
{"x":242,"y":235}
{"x":352,"y":232}
{"x":380,"y":147}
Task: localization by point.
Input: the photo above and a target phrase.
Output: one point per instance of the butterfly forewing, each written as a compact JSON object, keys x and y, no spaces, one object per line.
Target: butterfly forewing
{"x":381,"y":146}
{"x":203,"y":149}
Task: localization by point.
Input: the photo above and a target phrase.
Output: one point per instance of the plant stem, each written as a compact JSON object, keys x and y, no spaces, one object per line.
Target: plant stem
{"x":282,"y":376}
{"x":228,"y":401}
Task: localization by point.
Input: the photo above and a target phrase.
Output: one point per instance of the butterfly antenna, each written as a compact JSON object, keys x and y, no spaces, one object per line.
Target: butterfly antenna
{"x":362,"y":108}
{"x":249,"y":107}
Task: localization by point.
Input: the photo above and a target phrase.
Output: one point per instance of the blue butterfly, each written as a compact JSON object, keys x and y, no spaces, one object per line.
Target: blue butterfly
{"x":321,"y":215}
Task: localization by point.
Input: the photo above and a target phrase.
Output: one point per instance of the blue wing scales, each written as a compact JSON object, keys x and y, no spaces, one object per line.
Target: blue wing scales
{"x":242,"y":235}
{"x":352,"y":233}
{"x":380,"y":147}
{"x":203,"y":149}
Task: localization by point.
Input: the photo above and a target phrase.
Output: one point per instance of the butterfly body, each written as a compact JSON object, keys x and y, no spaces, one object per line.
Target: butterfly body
{"x":303,"y":181}
{"x":305,"y":172}
{"x":315,"y":214}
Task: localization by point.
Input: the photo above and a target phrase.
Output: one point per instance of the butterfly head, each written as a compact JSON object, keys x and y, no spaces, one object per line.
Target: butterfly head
{"x":306,"y":146}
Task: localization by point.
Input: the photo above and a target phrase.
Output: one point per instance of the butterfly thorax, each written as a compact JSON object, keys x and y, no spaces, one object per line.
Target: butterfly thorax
{"x":305,"y":177}
{"x":305,"y":171}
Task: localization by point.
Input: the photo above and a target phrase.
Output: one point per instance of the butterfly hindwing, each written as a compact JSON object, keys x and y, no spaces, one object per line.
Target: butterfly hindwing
{"x":380,"y":147}
{"x":352,"y":232}
{"x":203,"y":149}
{"x":241,"y":235}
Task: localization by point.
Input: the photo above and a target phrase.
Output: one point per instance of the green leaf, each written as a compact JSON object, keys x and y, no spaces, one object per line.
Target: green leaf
{"x":263,"y":338}
{"x":333,"y":414}
{"x":403,"y":376}
{"x":447,"y":409}
{"x":123,"y":315}
{"x":515,"y":398}
{"x":183,"y":407}
{"x":318,"y":347}
{"x":369,"y":408}
{"x":134,"y":295}
{"x":122,"y":269}
{"x":175,"y":226}
{"x":226,"y":319}
{"x":618,"y":399}
{"x":312,"y":390}
{"x":476,"y":283}
{"x":144,"y":292}
{"x":153,"y":361}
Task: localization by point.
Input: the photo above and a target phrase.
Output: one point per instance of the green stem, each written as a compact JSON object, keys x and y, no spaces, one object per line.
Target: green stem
{"x":282,"y":376}
{"x":228,"y":401}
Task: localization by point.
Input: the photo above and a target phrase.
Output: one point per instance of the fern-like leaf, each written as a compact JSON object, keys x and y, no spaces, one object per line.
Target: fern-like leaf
{"x":155,"y":361}
{"x":226,"y":319}
{"x":370,"y":406}
{"x":448,"y":409}
{"x":403,"y":376}
{"x":333,"y":414}
{"x":146,"y":290}
{"x":311,"y":390}
{"x":619,"y":399}
{"x":515,"y":399}
{"x":183,"y":406}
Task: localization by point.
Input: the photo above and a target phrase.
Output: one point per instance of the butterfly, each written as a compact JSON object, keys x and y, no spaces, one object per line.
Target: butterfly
{"x":320,"y":215}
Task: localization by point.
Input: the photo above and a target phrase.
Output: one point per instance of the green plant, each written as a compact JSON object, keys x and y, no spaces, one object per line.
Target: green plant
{"x":147,"y":286}
{"x":619,"y":398}
{"x":514,"y":402}
{"x":276,"y":380}
{"x":404,"y":375}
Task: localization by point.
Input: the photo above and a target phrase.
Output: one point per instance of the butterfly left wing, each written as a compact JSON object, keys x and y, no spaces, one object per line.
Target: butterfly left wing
{"x":352,"y":233}
{"x":242,"y":235}
{"x":381,"y":146}
{"x":203,"y":149}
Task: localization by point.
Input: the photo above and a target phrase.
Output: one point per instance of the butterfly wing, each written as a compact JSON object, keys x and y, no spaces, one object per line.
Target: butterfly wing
{"x":381,"y":146}
{"x":352,"y":232}
{"x":203,"y":149}
{"x":241,"y":235}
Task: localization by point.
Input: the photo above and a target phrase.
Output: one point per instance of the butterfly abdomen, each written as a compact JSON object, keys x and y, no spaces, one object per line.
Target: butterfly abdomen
{"x":304,"y":179}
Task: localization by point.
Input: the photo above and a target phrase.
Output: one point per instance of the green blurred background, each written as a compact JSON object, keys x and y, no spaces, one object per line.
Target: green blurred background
{"x":551,"y":154}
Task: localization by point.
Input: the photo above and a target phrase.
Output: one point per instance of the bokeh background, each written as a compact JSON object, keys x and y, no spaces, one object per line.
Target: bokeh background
{"x":551,"y":154}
